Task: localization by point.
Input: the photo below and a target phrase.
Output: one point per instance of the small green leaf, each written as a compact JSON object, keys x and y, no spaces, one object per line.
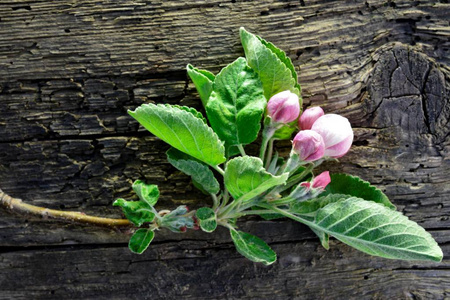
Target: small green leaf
{"x":207,"y":219}
{"x":203,"y":81}
{"x":200,"y":173}
{"x":375,"y":229}
{"x":140,"y":240}
{"x":285,"y":132}
{"x":253,"y":247}
{"x":147,"y":192}
{"x":138,"y":212}
{"x":237,"y":103}
{"x":276,"y":74}
{"x":246,"y":178}
{"x":355,"y":186}
{"x":182,"y":130}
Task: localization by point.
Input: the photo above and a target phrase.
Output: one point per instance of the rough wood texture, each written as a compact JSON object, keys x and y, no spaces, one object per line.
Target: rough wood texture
{"x":70,"y":70}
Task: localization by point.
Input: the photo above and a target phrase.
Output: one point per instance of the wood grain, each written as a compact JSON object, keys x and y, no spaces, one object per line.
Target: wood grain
{"x":69,"y":70}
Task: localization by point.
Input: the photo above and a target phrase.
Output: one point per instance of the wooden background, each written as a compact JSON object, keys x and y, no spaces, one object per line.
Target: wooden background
{"x":69,"y":70}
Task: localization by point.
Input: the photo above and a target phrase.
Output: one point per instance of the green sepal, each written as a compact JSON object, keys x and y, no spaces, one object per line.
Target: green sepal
{"x":148,"y":193}
{"x":253,"y":248}
{"x":207,"y":219}
{"x":138,"y":212}
{"x":140,"y":240}
{"x":357,"y":187}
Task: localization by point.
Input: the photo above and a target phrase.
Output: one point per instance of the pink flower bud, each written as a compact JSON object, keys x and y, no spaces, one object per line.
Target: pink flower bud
{"x":309,"y":116}
{"x":308,"y":145}
{"x":283,"y":107}
{"x":336,"y":132}
{"x":321,"y":180}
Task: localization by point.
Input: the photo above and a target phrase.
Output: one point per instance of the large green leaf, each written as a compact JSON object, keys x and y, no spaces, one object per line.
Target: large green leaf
{"x":200,"y":173}
{"x":140,"y":240}
{"x":246,"y":178}
{"x":237,"y":103}
{"x":355,"y":186}
{"x":138,"y":212}
{"x":147,"y":192}
{"x":207,"y":219}
{"x":182,"y":130}
{"x":375,"y":229}
{"x":253,"y":247}
{"x":203,"y":81}
{"x":276,"y":74}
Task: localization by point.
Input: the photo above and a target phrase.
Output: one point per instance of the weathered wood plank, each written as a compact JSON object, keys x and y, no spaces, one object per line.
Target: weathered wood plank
{"x":70,"y":70}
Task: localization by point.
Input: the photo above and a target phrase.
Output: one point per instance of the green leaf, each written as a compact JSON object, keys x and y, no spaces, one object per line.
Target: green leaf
{"x":310,"y":207}
{"x":203,"y":81}
{"x":237,"y":103}
{"x":246,"y":178}
{"x":182,"y":130}
{"x":285,"y":132}
{"x":355,"y":186}
{"x":375,"y":229}
{"x":147,"y":192}
{"x":192,"y":111}
{"x":199,"y":172}
{"x":140,"y":240}
{"x":276,"y":74}
{"x":138,"y":212}
{"x":253,"y":247}
{"x":207,"y":219}
{"x":285,"y":60}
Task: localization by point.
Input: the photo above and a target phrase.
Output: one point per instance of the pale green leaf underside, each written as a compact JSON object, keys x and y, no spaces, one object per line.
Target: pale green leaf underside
{"x":203,"y":81}
{"x":253,"y":247}
{"x":246,"y":178}
{"x":237,"y":103}
{"x":182,"y":130}
{"x":376,"y":230}
{"x":140,"y":240}
{"x":148,"y":193}
{"x":199,"y":172}
{"x":207,"y":219}
{"x":274,"y":74}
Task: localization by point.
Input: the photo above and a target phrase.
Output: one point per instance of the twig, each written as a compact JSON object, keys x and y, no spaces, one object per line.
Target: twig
{"x":18,"y":206}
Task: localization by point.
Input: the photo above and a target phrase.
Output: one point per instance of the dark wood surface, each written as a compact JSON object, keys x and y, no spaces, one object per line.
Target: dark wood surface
{"x":69,"y":70}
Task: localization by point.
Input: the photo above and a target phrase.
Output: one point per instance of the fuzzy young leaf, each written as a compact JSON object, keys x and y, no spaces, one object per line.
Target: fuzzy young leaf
{"x":253,"y":247}
{"x":375,"y":229}
{"x":203,"y":81}
{"x":140,"y":240}
{"x":276,"y":75}
{"x":182,"y":130}
{"x":138,"y":212}
{"x":207,"y":219}
{"x":246,"y":178}
{"x":309,"y":208}
{"x":355,"y":186}
{"x":148,"y":193}
{"x":199,"y":172}
{"x":285,"y":60}
{"x":237,"y":103}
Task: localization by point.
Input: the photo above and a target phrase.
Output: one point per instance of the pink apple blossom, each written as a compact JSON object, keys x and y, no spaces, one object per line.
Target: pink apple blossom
{"x":321,"y":180}
{"x":336,"y":132}
{"x":283,"y":107}
{"x":309,"y":145}
{"x":309,"y":116}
